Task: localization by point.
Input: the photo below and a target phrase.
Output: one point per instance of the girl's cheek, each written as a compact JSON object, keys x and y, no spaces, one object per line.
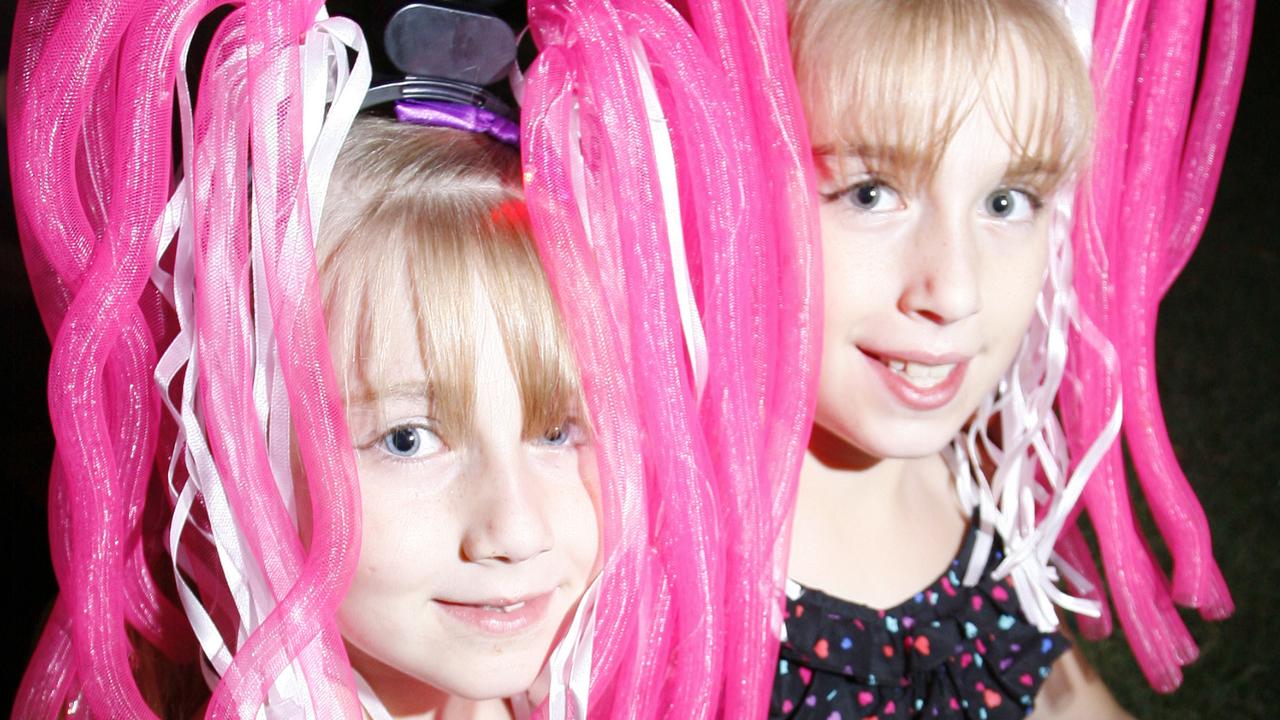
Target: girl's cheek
{"x":584,"y":511}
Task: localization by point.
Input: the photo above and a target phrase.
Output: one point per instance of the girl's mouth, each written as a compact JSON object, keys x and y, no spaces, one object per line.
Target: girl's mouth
{"x":498,"y":616}
{"x":919,"y":374}
{"x":920,"y":383}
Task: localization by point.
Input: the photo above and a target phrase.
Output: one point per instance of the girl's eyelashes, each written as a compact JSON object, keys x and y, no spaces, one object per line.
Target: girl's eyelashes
{"x":566,"y":433}
{"x":409,"y":441}
{"x":1011,"y":204}
{"x":872,"y":194}
{"x":869,"y":194}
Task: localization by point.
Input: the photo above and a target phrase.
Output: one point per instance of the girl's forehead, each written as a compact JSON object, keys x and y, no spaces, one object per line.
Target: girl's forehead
{"x":881,"y":84}
{"x":912,"y":156}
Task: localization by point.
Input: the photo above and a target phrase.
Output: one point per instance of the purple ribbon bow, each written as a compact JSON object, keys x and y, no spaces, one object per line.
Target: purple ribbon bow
{"x":439,"y":113}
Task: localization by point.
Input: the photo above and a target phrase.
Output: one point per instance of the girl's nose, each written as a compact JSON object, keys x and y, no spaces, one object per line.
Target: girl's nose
{"x":507,"y":520}
{"x":941,"y":272}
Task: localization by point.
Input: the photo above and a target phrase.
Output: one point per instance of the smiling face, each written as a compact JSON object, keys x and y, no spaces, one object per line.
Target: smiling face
{"x":941,"y":132}
{"x":929,"y":289}
{"x":477,"y":540}
{"x":479,"y":497}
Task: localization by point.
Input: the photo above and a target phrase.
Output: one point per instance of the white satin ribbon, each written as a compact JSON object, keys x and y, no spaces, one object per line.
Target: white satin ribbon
{"x":202,"y":474}
{"x":369,"y":700}
{"x":515,"y":76}
{"x":1080,"y":16}
{"x":565,"y":680}
{"x":695,"y":338}
{"x":327,"y":82}
{"x":1007,"y":502}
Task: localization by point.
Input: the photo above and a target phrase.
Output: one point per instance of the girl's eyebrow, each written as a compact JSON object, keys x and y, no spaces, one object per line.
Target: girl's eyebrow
{"x":1034,"y":171}
{"x":879,"y":155}
{"x":418,"y":391}
{"x":913,"y":165}
{"x":908,"y":164}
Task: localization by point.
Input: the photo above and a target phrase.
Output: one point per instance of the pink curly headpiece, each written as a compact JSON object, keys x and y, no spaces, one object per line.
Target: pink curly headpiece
{"x":669,"y":182}
{"x":602,"y":210}
{"x":230,"y":325}
{"x":93,"y":91}
{"x":1160,"y":144}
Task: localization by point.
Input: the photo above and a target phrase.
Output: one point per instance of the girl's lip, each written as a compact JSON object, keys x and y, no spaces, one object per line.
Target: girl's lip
{"x":498,"y":616}
{"x":915,"y":396}
{"x":916,"y":356}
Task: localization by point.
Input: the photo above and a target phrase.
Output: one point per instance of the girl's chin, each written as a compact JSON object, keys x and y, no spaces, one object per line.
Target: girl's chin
{"x":853,"y":449}
{"x":501,"y":678}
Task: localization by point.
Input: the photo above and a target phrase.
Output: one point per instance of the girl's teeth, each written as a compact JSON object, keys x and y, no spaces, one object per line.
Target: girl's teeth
{"x":919,"y":374}
{"x":505,"y":608}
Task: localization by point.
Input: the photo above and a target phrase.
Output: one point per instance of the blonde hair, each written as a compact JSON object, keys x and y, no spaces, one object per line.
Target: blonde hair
{"x":440,"y":212}
{"x":898,"y":77}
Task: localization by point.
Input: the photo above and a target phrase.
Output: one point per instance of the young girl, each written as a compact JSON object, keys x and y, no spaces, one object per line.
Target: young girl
{"x":944,"y":135}
{"x":411,"y":545}
{"x":476,"y":482}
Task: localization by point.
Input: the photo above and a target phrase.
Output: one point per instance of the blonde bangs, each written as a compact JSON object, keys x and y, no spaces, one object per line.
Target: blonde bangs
{"x":891,"y":82}
{"x":530,"y":323}
{"x":432,"y":246}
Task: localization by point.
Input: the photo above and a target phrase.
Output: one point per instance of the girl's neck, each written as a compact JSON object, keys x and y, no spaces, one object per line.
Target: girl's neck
{"x":407,"y":698}
{"x":872,"y":530}
{"x":455,"y":708}
{"x":871,"y":486}
{"x":461,"y":709}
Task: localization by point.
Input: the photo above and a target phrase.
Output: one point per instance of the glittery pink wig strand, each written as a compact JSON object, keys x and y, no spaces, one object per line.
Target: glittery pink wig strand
{"x":1160,"y":145}
{"x":717,"y":501}
{"x":93,"y":96}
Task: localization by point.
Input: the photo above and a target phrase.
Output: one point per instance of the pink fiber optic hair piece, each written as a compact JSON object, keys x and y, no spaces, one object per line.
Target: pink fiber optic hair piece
{"x":699,"y":454}
{"x":92,"y":97}
{"x":1160,"y":144}
{"x":779,"y":359}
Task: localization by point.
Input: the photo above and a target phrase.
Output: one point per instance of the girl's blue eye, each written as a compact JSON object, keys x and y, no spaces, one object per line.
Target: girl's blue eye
{"x":1010,"y":204}
{"x":560,"y":435}
{"x":410,"y":441}
{"x":873,"y":196}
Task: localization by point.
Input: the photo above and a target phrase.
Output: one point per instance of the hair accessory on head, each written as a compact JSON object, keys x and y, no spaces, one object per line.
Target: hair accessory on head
{"x":441,"y":113}
{"x":447,"y":55}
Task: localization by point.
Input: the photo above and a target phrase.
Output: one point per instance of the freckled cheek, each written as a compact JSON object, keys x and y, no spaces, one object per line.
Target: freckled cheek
{"x":860,"y":274}
{"x":839,"y":310}
{"x":1011,"y":308}
{"x":404,"y":539}
{"x":575,"y":511}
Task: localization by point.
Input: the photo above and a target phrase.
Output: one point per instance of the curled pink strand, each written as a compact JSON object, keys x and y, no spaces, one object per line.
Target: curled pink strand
{"x":750,"y":237}
{"x":1190,"y":179}
{"x":219,"y":183}
{"x":629,"y":614}
{"x":748,"y":41}
{"x":91,"y":97}
{"x":90,"y":319}
{"x":291,"y":633}
{"x":1139,"y":215}
{"x":627,"y":236}
{"x":50,"y":679}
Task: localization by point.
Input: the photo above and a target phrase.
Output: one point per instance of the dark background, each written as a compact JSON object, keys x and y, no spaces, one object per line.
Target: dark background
{"x":1217,"y":356}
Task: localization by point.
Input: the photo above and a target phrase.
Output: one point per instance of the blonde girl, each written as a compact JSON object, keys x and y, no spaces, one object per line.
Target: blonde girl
{"x":944,"y":134}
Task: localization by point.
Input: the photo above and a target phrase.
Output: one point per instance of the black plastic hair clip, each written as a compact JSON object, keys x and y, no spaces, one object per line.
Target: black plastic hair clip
{"x":446,"y":53}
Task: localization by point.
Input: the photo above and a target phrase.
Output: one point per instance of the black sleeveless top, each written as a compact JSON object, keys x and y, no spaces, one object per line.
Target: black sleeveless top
{"x":948,"y":652}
